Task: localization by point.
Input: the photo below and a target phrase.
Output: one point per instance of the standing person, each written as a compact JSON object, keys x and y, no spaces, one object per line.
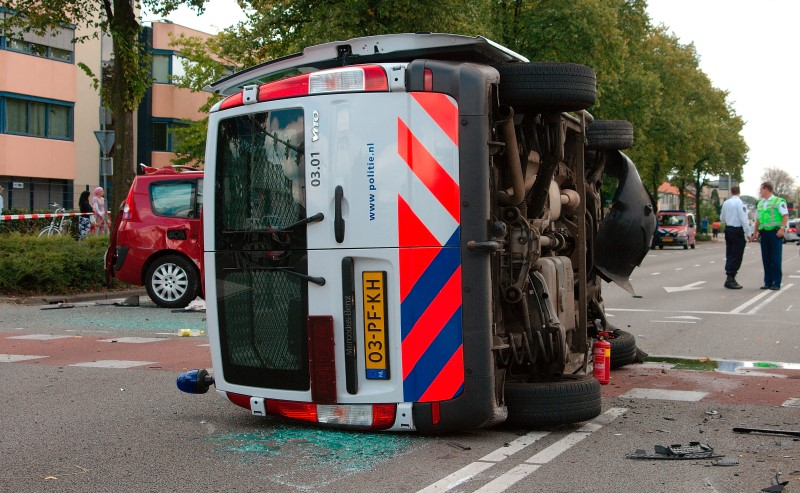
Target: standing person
{"x":715,"y":229}
{"x":737,"y":230}
{"x":704,"y":226}
{"x":773,"y":214}
{"x":99,"y":208}
{"x":84,"y":222}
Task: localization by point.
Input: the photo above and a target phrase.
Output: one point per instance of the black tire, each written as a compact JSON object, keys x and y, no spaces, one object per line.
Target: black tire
{"x":660,"y":247}
{"x":547,"y":86}
{"x":686,"y":246}
{"x":572,"y":399}
{"x":609,"y":135}
{"x":171,"y":281}
{"x":623,"y":348}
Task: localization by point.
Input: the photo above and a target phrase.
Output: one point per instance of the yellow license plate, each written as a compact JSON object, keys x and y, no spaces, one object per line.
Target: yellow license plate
{"x":666,"y":240}
{"x":375,"y":325}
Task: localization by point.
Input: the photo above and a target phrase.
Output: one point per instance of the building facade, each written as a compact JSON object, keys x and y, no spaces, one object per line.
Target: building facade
{"x":49,"y":112}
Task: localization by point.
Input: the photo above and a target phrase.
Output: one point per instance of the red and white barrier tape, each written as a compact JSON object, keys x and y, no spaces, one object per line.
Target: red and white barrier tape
{"x":44,"y":216}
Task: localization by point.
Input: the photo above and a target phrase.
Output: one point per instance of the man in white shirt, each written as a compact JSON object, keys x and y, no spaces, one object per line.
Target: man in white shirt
{"x":737,"y":230}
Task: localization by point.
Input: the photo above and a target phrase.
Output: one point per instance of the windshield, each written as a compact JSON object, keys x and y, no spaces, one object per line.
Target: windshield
{"x":671,"y":220}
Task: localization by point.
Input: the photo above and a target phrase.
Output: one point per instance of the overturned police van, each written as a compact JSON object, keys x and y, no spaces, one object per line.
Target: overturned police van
{"x":406,"y":232}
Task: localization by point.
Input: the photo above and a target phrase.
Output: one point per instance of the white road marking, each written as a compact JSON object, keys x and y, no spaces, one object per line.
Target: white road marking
{"x":789,"y":307}
{"x":769,"y":300}
{"x":696,"y":312}
{"x":113,"y":363}
{"x":14,"y":358}
{"x":134,"y":340}
{"x":686,"y":317}
{"x":794,"y":276}
{"x":688,"y":287}
{"x":696,"y":265}
{"x":744,"y":305}
{"x":655,"y":273}
{"x":713,"y":262}
{"x":679,"y":268}
{"x":520,"y":472}
{"x":514,"y":447}
{"x":664,"y":395}
{"x":471,"y":470}
{"x":40,"y":337}
{"x":464,"y":474}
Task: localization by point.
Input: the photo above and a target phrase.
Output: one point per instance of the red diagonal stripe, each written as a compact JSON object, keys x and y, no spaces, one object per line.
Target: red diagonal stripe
{"x":430,"y":324}
{"x":449,"y":380}
{"x":442,"y":110}
{"x":413,"y":233}
{"x":428,"y":170}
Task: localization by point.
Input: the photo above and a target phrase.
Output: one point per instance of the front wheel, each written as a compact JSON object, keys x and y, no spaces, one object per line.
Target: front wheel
{"x":48,"y":231}
{"x":571,"y":399}
{"x":171,"y":282}
{"x":547,"y":86}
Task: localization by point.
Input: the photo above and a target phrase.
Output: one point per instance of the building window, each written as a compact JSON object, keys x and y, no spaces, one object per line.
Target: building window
{"x":40,"y":50}
{"x":161,"y":69}
{"x":166,"y":66}
{"x":164,"y":138}
{"x":36,"y":118}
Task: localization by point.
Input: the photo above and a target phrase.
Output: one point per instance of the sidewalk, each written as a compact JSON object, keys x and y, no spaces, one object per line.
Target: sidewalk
{"x":72,"y":298}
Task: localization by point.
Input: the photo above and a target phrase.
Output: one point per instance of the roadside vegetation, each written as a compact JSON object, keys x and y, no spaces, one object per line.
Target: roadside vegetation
{"x":57,"y":265}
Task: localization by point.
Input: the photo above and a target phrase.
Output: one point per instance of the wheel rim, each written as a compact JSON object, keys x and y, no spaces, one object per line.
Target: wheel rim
{"x":170,"y":282}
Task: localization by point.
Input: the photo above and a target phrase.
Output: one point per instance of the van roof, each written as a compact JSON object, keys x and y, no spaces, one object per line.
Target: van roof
{"x":370,"y":49}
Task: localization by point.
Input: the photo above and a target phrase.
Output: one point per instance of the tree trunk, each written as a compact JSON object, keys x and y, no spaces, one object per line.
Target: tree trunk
{"x":681,"y":195}
{"x":124,"y":31}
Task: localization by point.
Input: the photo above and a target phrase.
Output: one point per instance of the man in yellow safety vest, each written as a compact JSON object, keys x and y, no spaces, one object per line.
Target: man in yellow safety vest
{"x":773,"y":214}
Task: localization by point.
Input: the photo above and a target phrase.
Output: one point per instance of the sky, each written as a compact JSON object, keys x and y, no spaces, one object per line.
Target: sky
{"x":746,"y":47}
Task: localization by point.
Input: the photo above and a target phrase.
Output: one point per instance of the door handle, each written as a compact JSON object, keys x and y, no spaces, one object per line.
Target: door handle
{"x":338,"y":221}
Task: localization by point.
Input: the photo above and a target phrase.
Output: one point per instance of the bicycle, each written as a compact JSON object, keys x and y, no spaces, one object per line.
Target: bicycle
{"x":56,"y":227}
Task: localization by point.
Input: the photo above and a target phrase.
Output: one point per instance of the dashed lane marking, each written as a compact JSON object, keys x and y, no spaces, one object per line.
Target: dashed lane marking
{"x":522,"y":471}
{"x":14,"y":358}
{"x":40,"y":337}
{"x":113,"y":363}
{"x":471,"y":470}
{"x":769,"y":300}
{"x":133,"y":340}
{"x":665,"y":395}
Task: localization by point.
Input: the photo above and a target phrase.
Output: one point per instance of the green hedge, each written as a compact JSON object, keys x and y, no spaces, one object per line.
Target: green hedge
{"x":56,"y":265}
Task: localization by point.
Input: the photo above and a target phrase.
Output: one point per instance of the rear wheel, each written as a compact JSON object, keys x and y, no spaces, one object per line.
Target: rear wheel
{"x":547,"y":86}
{"x":171,"y":281}
{"x":571,"y":399}
{"x":623,"y":348}
{"x":609,"y":135}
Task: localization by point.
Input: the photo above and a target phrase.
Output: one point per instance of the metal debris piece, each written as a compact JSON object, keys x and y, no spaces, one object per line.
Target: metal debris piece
{"x":777,"y":485}
{"x":695,"y":450}
{"x":726,"y":462}
{"x":459,"y":446}
{"x":792,"y":433}
{"x":129,"y":301}
{"x":59,"y":306}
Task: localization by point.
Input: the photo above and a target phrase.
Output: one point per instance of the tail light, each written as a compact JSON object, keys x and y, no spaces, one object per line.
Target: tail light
{"x":239,"y":399}
{"x":357,"y":78}
{"x":365,"y":416}
{"x":127,"y":208}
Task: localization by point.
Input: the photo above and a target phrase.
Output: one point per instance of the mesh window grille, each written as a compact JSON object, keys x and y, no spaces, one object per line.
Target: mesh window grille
{"x":259,"y":190}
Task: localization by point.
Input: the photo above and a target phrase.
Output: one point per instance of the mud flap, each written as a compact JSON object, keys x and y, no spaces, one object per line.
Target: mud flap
{"x":625,"y":234}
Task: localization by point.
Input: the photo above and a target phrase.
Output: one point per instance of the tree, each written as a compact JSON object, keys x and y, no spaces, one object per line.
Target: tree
{"x":782,"y":182}
{"x":130,"y":72}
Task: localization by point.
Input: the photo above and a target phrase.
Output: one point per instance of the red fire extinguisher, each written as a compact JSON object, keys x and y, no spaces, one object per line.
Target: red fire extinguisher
{"x":601,"y":351}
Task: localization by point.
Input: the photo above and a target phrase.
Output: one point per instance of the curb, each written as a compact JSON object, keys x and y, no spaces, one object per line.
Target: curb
{"x":72,"y":298}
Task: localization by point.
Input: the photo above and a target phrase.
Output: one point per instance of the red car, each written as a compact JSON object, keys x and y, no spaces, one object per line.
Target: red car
{"x":157,"y":239}
{"x":676,"y":228}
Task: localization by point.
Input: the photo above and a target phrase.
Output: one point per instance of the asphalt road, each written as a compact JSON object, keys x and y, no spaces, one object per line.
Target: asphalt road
{"x":684,"y":310}
{"x":95,"y":407}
